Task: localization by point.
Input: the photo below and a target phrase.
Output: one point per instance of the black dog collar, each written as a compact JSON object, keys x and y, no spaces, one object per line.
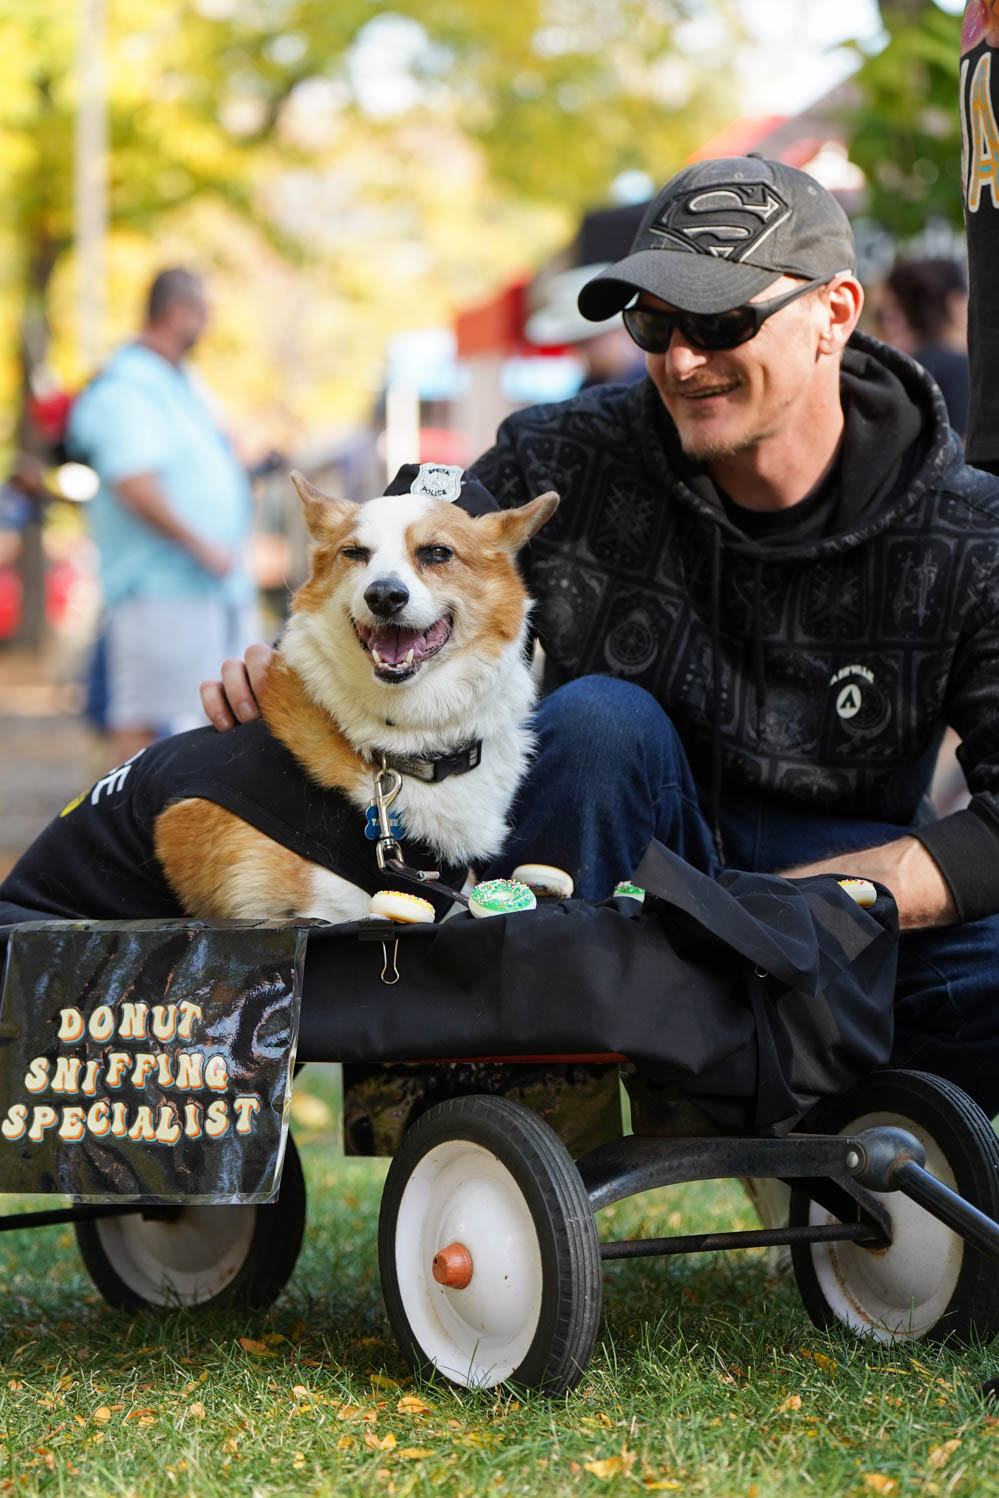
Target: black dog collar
{"x":434,"y":767}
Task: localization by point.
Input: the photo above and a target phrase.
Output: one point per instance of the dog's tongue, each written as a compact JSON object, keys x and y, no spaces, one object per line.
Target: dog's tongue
{"x":394,"y":644}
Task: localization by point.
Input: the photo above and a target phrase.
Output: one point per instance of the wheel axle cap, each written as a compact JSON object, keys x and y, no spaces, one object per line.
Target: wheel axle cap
{"x":452,"y":1266}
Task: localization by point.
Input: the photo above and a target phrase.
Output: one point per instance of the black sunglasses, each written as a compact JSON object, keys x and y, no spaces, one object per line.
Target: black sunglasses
{"x":708,"y":332}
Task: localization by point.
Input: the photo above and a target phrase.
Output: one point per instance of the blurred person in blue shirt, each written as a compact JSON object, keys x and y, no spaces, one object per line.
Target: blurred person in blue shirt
{"x":172,"y":521}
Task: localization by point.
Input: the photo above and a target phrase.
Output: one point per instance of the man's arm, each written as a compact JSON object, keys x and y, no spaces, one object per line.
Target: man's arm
{"x":921,"y":892}
{"x":142,"y":494}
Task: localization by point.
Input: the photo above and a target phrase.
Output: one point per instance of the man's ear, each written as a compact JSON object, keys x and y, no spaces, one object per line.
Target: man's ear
{"x":322,"y":511}
{"x":511,"y":529}
{"x":844,"y":302}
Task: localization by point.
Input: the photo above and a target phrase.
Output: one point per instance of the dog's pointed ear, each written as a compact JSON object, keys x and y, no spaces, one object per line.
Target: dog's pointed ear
{"x":320,"y":509}
{"x":511,"y":529}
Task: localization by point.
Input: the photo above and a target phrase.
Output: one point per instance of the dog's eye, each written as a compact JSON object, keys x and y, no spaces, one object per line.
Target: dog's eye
{"x":355,"y":553}
{"x":434,"y":556}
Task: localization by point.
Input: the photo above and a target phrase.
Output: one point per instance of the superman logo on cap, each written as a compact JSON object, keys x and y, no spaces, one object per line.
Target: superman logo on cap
{"x":730,"y":220}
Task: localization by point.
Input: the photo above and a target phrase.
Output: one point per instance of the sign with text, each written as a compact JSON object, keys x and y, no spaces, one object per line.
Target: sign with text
{"x":148,"y":1061}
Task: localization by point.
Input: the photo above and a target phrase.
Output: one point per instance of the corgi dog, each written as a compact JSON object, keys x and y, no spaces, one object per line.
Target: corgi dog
{"x":407,"y":645}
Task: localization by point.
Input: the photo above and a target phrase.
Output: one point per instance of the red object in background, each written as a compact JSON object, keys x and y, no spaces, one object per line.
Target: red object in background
{"x":49,"y":414}
{"x":61,"y":582}
{"x":11,"y":594}
{"x":496,"y":326}
{"x":443,"y":445}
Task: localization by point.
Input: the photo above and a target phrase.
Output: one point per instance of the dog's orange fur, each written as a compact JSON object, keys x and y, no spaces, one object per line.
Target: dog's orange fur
{"x":218,"y":865}
{"x":223,"y":869}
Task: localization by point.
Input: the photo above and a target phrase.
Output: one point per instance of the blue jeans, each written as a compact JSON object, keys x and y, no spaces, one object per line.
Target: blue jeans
{"x":610,"y":774}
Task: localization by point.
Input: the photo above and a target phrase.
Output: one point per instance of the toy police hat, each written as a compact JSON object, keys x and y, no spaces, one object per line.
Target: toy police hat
{"x":721,"y":231}
{"x":444,"y":481}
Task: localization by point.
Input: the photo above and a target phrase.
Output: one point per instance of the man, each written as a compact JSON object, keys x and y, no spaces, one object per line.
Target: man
{"x":171,"y":519}
{"x":770,"y":585}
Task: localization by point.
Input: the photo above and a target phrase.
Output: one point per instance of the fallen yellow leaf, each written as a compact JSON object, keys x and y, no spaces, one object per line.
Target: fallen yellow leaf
{"x":411,"y":1404}
{"x":792,"y":1402}
{"x":310,"y":1112}
{"x":196,"y":1410}
{"x":940,"y":1454}
{"x":102,"y":1414}
{"x":612,"y":1466}
{"x":879,"y":1483}
{"x":258,"y":1349}
{"x":379,"y":1443}
{"x":414,"y":1453}
{"x":608,"y":1466}
{"x":345,"y":1443}
{"x":144,"y":1414}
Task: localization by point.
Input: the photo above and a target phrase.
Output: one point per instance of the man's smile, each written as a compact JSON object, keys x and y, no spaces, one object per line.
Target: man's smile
{"x":687,"y":392}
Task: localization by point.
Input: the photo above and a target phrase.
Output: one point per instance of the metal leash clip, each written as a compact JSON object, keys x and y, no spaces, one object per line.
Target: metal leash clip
{"x":388,"y":784}
{"x":388,"y":849}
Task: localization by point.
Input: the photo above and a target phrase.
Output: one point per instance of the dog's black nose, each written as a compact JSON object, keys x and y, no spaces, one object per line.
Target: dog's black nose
{"x":386,"y":596}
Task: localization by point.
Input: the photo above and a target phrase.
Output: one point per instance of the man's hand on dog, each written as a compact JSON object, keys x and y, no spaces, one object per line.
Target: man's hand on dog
{"x":234,"y":699}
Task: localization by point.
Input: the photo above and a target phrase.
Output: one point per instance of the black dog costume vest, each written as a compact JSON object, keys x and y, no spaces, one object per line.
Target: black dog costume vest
{"x":97,"y":858}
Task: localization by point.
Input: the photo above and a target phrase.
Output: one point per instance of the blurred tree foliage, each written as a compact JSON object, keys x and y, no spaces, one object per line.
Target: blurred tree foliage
{"x":905,"y":133}
{"x":342,"y":169}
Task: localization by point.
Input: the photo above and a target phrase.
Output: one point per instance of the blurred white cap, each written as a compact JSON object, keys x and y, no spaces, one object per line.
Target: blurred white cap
{"x":557,"y":319}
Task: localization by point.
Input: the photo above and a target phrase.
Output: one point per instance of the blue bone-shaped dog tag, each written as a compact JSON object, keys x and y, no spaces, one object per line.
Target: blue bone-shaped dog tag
{"x":372,"y":827}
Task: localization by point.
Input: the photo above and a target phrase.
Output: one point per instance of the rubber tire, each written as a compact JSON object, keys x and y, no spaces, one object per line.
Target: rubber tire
{"x":541,"y":1170}
{"x":266,"y":1243}
{"x":941,"y":1115}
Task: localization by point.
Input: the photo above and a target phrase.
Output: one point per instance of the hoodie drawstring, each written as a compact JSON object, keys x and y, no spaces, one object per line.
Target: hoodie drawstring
{"x":760,"y":678}
{"x":716,"y":694}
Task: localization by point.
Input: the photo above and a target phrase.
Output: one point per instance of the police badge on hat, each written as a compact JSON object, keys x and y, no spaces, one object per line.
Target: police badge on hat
{"x":447,"y":481}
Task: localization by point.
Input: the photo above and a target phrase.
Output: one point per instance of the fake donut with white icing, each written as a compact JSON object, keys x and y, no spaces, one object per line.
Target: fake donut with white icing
{"x":546,"y":881}
{"x":396,"y":905}
{"x":861,"y":890}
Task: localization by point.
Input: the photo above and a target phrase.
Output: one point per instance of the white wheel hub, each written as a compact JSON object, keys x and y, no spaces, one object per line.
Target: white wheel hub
{"x":460,"y":1193}
{"x":184,"y":1260}
{"x":900,"y":1292}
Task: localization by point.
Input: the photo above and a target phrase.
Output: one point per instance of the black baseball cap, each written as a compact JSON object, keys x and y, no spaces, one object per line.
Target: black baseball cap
{"x":720,"y":231}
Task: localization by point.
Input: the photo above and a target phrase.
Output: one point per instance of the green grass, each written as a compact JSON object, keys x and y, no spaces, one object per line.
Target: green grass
{"x":708,"y":1379}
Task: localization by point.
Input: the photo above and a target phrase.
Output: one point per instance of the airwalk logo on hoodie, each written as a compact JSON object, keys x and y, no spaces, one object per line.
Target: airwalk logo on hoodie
{"x":860,"y":705}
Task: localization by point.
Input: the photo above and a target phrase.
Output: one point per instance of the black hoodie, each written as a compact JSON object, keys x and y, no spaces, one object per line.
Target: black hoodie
{"x":815,"y":663}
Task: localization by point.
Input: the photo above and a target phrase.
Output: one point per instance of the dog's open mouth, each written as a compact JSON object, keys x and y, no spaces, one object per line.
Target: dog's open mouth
{"x":398,"y":652}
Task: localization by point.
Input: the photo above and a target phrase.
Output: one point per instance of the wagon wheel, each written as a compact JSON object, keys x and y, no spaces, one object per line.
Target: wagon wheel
{"x":928,"y":1282}
{"x":489,"y":1256}
{"x":197,"y":1255}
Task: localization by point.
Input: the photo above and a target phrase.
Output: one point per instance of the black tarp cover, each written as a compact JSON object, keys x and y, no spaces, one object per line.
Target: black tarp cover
{"x":751,"y":994}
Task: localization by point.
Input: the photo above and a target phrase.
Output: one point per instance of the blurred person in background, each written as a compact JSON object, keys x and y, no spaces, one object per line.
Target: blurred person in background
{"x":606,"y":354}
{"x":923,"y":311}
{"x":172,"y":520}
